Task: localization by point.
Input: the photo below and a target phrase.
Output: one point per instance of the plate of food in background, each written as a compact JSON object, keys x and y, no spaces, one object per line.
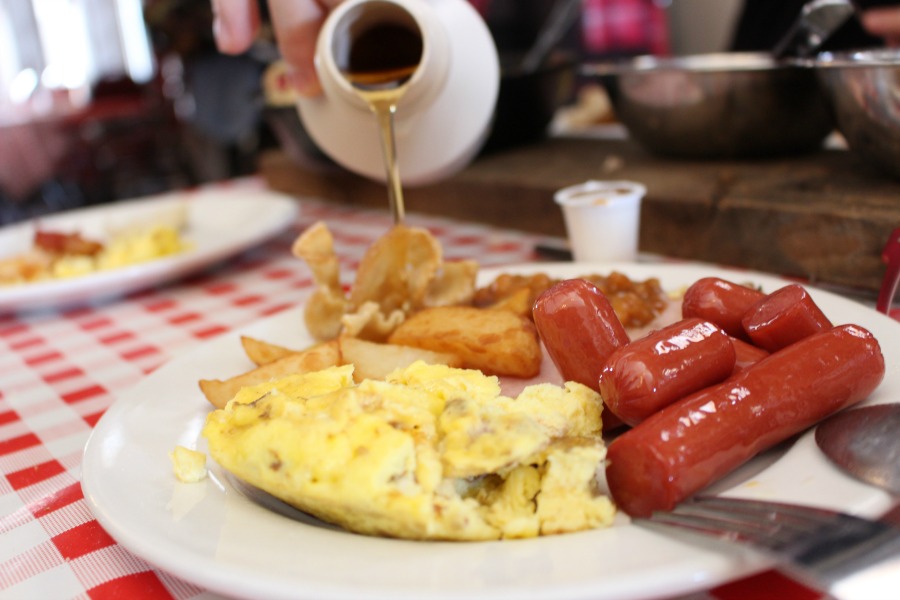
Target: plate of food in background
{"x":104,"y":251}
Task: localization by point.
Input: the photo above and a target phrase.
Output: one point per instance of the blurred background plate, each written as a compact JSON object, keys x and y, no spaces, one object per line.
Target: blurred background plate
{"x":220,"y":223}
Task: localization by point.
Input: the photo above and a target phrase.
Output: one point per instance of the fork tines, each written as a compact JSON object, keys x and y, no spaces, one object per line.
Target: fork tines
{"x":827,"y":543}
{"x":750,"y":521}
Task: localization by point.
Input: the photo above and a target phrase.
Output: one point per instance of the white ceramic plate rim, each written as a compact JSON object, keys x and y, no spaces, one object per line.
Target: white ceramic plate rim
{"x":220,"y":224}
{"x":211,"y":534}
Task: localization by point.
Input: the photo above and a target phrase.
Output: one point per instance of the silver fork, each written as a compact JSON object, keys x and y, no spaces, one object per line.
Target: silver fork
{"x":848,"y":557}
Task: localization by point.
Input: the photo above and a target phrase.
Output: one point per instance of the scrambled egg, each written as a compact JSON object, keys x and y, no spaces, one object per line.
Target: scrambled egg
{"x":137,"y":246}
{"x":432,"y":452}
{"x":189,"y":465}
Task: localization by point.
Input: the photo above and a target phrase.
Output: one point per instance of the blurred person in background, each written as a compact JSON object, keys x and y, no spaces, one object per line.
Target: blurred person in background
{"x":81,"y":119}
{"x":607,"y":28}
{"x":216,"y":95}
{"x":604,"y":29}
{"x":222,"y":48}
{"x":763,"y":23}
{"x":884,"y":22}
{"x":30,"y":153}
{"x":103,"y":100}
{"x":30,"y":150}
{"x":297,"y":22}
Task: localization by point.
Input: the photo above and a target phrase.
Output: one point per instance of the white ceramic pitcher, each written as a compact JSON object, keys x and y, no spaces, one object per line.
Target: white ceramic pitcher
{"x":444,"y":117}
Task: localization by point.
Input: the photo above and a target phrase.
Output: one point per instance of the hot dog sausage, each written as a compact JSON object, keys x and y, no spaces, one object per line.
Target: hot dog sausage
{"x":658,"y":369}
{"x":786,"y":315}
{"x":721,"y":302}
{"x":746,"y":354}
{"x":695,"y":441}
{"x":580,"y":330}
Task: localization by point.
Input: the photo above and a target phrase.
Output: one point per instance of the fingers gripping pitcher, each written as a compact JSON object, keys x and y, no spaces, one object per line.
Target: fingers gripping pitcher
{"x":409,"y":87}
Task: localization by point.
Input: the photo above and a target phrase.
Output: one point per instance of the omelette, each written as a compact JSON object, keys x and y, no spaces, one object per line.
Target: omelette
{"x":429,"y":453}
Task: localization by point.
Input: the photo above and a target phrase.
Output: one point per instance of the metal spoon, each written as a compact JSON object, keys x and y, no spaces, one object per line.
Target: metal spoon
{"x":818,"y":20}
{"x":562,"y":16}
{"x":865,"y":442}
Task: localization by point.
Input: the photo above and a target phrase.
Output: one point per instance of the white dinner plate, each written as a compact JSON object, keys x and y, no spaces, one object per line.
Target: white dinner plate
{"x":213,"y":534}
{"x":219,"y":224}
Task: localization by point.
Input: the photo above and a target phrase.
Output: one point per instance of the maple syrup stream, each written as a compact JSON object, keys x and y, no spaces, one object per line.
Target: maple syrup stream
{"x":381,"y":63}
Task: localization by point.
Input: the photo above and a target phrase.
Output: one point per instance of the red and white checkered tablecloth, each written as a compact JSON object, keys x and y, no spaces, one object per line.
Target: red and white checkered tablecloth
{"x":61,"y":369}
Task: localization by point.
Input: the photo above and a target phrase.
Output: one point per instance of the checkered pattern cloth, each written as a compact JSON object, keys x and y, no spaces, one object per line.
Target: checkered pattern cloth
{"x":61,"y":369}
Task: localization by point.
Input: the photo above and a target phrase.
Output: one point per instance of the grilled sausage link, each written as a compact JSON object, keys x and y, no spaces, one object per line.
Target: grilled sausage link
{"x":699,"y":439}
{"x":664,"y":366}
{"x":721,"y":302}
{"x":579,"y":329}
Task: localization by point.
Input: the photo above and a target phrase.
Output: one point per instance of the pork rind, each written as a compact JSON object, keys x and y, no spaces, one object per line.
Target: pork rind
{"x":327,"y":304}
{"x":401,"y":273}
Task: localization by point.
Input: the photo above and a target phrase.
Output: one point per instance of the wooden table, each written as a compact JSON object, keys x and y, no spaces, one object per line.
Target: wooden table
{"x":824,"y":217}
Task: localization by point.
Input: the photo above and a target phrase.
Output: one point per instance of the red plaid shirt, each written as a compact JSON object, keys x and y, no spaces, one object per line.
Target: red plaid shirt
{"x":618,"y":26}
{"x":624,"y":27}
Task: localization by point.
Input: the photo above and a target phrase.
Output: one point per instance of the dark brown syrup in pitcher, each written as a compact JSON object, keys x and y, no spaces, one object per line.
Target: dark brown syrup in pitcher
{"x":381,"y":61}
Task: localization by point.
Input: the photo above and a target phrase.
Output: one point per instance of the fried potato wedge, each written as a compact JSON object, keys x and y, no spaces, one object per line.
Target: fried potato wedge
{"x":496,"y":342}
{"x":519,"y":302}
{"x":454,"y":284}
{"x":372,"y":360}
{"x":261,"y":352}
{"x":315,"y":358}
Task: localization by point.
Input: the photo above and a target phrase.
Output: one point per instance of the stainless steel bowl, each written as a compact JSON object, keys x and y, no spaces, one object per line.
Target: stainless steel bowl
{"x":864,"y":88}
{"x":725,"y":105}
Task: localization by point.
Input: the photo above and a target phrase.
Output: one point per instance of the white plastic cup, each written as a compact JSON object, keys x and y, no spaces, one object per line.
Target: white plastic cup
{"x":603,"y":219}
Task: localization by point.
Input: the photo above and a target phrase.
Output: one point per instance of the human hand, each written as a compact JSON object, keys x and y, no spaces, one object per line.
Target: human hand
{"x":296,"y":23}
{"x":883,"y":22}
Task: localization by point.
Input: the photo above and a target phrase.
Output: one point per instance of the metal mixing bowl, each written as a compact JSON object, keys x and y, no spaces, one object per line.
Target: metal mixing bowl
{"x":864,"y":88}
{"x":724,"y":105}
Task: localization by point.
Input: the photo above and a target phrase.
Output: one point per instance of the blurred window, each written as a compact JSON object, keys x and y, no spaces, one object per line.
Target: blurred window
{"x":72,"y":44}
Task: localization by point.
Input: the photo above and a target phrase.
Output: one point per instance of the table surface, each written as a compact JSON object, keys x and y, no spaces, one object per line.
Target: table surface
{"x":61,"y":369}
